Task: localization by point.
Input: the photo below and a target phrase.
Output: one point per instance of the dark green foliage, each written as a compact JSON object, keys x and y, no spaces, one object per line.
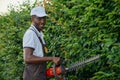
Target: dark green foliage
{"x":75,"y":29}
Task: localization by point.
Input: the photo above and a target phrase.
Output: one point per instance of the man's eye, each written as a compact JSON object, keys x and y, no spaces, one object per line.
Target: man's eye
{"x":38,"y":18}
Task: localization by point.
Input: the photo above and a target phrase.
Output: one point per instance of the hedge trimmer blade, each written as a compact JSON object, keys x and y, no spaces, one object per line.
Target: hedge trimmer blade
{"x":78,"y":65}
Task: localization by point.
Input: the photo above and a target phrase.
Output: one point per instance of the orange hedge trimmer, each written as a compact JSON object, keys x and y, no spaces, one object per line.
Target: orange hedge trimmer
{"x":59,"y":71}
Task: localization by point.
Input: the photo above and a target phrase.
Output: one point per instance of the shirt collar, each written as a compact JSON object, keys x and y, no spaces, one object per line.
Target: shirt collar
{"x":39,"y":33}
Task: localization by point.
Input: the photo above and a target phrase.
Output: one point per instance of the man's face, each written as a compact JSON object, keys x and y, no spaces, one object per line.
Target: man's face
{"x":39,"y":22}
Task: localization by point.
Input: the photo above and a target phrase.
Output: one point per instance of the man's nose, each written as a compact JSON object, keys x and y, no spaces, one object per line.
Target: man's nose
{"x":42,"y":21}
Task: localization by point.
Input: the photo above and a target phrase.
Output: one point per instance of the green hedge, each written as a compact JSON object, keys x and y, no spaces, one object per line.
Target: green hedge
{"x":75,"y":29}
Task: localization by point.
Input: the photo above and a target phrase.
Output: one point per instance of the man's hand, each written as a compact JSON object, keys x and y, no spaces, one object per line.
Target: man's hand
{"x":56,"y":60}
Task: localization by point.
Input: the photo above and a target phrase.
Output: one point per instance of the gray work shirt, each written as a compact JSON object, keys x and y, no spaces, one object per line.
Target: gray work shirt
{"x":31,"y":40}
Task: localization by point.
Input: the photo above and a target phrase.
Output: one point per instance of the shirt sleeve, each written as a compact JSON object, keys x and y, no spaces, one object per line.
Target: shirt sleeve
{"x":29,"y":40}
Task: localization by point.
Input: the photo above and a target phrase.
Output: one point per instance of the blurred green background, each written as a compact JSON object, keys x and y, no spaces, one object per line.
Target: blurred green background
{"x":75,"y":29}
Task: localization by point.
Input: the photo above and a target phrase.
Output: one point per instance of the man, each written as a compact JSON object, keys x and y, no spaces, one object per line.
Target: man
{"x":34,"y":47}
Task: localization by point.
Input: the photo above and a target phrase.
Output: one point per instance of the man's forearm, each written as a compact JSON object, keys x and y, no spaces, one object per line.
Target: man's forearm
{"x":36,"y":60}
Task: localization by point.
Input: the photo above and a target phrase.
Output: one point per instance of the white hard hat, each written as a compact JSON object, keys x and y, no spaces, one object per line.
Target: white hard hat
{"x":38,"y":11}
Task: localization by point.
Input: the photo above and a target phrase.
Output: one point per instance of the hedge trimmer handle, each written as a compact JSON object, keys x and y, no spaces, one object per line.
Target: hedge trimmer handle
{"x":59,"y":71}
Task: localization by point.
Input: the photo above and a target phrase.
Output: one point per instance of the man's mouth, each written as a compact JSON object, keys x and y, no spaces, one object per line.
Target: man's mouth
{"x":41,"y":26}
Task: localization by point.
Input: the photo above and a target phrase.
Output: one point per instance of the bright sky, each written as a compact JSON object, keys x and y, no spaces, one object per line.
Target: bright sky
{"x":5,"y":3}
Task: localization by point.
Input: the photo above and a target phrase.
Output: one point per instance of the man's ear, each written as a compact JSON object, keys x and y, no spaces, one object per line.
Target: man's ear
{"x":32,"y":17}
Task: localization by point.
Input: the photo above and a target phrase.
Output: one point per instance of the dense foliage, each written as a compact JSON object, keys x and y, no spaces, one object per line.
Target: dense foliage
{"x":75,"y":29}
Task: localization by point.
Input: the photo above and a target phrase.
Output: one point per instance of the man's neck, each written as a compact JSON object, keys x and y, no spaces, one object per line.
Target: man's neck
{"x":36,"y":27}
